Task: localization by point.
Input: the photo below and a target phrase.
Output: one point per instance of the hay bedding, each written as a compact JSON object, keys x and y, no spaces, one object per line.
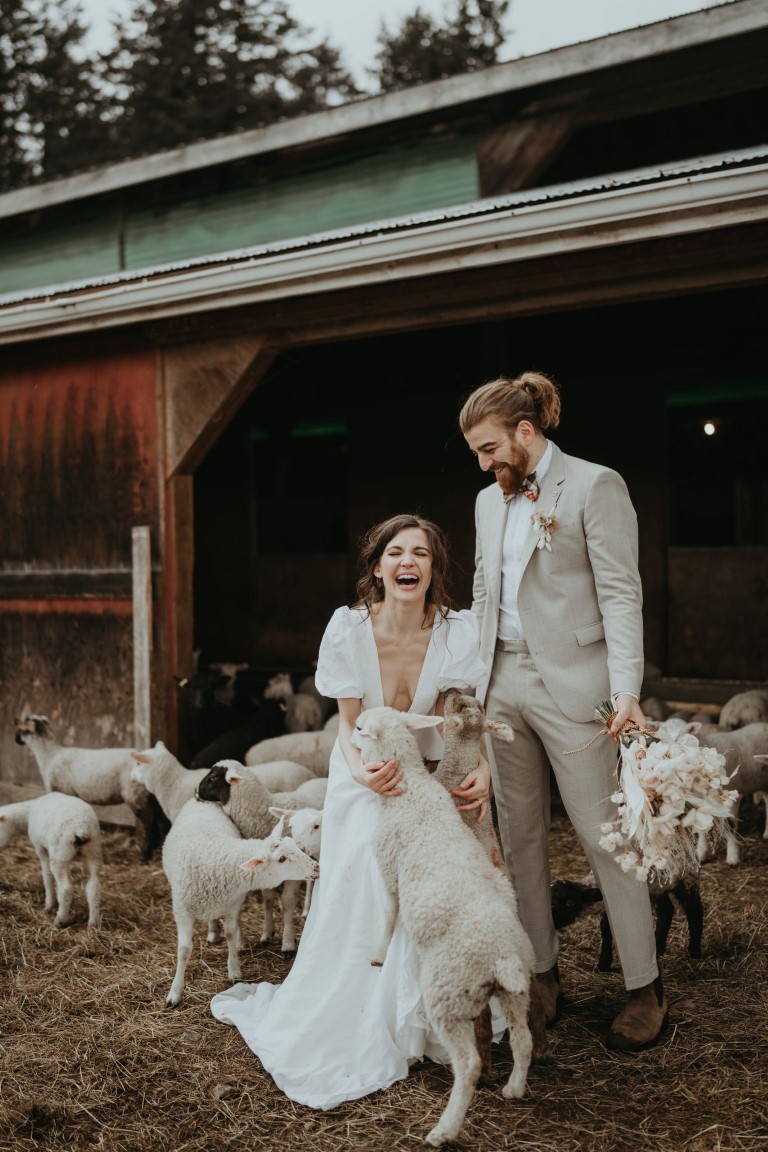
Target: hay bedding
{"x":91,"y":1059}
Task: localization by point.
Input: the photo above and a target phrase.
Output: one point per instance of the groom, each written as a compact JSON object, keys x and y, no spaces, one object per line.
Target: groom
{"x":558,"y":597}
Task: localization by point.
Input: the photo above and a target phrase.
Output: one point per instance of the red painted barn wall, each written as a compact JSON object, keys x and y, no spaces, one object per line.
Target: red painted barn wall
{"x":78,"y":470}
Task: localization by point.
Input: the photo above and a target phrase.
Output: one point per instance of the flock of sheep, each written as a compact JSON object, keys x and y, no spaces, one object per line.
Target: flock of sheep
{"x":260,"y":828}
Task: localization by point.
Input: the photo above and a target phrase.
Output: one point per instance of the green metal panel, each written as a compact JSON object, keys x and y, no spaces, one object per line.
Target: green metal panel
{"x":433,"y":174}
{"x":77,"y":251}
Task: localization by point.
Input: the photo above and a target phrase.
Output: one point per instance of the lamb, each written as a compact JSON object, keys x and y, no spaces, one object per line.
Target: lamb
{"x":211,"y":869}
{"x":572,"y":898}
{"x":166,"y":778}
{"x":744,"y":750}
{"x":96,"y":775}
{"x":247,"y":802}
{"x":745,"y":708}
{"x":61,"y":829}
{"x":464,"y":726}
{"x":305,"y":825}
{"x":308,"y":687}
{"x":304,"y":711}
{"x":460,"y":913}
{"x":312,"y":749}
{"x":173,"y":784}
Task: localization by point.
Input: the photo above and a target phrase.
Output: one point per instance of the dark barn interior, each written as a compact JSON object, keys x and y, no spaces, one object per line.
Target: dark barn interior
{"x":340,"y":435}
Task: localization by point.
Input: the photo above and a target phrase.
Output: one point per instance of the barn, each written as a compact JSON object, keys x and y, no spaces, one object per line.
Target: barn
{"x":221,"y":364}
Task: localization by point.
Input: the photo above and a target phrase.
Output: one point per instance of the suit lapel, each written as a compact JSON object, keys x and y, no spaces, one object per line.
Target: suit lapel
{"x":551,"y":490}
{"x":497,"y":519}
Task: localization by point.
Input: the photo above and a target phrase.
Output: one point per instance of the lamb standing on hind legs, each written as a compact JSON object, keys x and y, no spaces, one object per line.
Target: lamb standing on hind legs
{"x":460,"y":914}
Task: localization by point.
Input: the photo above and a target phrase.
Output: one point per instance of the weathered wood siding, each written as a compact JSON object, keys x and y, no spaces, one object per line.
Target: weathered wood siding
{"x":78,"y":469}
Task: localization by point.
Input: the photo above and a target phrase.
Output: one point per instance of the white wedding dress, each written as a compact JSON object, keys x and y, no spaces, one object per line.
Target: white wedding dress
{"x":338,"y":1028}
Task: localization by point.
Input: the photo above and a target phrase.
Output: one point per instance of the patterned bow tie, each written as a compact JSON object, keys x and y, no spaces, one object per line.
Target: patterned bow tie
{"x":530,"y":487}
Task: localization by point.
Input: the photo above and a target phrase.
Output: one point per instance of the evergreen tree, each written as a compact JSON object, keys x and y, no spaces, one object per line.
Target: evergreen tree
{"x":18,"y":48}
{"x":424,"y":49}
{"x":51,"y":111}
{"x":190,"y":70}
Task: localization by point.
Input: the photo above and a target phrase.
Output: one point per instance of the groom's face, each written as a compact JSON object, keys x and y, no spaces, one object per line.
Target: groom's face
{"x":500,"y":450}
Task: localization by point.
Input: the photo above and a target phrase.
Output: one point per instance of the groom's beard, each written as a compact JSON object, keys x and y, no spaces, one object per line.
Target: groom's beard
{"x":510,"y":475}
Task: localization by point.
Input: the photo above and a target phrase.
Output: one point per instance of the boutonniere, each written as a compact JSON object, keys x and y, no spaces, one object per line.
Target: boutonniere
{"x":544,"y":524}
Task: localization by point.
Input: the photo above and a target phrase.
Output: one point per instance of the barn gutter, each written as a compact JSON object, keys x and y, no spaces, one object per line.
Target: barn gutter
{"x":538,"y":224}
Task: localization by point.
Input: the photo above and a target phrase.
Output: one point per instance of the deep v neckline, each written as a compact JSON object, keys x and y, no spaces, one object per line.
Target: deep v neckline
{"x":372,"y":639}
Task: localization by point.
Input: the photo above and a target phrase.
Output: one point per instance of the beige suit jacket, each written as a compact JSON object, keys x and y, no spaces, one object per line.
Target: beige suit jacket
{"x":581,"y":603}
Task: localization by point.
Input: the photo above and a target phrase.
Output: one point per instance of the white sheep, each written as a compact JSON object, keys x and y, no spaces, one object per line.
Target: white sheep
{"x":96,"y":775}
{"x":211,"y":869}
{"x":308,"y":687}
{"x":61,"y":829}
{"x":247,"y":802}
{"x":158,"y":770}
{"x":745,"y":750}
{"x":305,"y":826}
{"x":173,"y":784}
{"x":312,"y":749}
{"x":304,"y":712}
{"x":460,"y":914}
{"x":744,"y":708}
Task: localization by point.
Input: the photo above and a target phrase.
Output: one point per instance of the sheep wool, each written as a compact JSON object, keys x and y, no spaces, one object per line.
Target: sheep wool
{"x":460,"y":912}
{"x":61,"y":829}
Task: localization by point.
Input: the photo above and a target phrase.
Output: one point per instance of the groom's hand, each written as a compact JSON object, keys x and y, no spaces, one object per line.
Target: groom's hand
{"x":475,"y":790}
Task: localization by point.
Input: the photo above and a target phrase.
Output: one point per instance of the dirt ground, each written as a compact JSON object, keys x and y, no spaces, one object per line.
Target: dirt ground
{"x":90,"y":1058}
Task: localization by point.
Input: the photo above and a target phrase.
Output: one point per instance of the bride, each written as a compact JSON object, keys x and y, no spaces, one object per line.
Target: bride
{"x":338,"y":1028}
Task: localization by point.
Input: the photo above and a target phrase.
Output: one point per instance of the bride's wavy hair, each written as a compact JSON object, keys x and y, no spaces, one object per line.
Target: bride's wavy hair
{"x":370,"y":589}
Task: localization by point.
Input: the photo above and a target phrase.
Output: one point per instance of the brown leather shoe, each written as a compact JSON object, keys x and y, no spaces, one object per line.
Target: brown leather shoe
{"x":642,"y":1020}
{"x":550,"y":994}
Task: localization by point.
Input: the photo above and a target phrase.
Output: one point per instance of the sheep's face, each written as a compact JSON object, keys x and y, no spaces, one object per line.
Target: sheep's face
{"x":279,"y":687}
{"x":375,"y":724}
{"x":215,"y":786}
{"x":31,"y":726}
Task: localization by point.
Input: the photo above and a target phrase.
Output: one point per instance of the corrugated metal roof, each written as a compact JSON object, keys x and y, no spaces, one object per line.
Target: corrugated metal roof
{"x":611,"y":182}
{"x":719,"y":22}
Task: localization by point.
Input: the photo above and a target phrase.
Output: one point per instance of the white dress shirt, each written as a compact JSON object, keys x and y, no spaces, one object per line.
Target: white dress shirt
{"x":519,"y":509}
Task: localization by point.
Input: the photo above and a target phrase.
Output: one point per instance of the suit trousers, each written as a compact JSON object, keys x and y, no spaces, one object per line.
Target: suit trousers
{"x":586,"y":780}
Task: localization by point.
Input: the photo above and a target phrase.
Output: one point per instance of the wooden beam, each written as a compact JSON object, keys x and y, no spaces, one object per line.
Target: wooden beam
{"x":513,"y":155}
{"x":203,"y":386}
{"x":142,"y":636}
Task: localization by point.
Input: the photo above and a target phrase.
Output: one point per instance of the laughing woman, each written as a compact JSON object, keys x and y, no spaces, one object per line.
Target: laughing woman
{"x":338,"y":1028}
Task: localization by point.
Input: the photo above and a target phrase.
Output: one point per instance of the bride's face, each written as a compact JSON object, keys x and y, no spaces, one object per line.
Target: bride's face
{"x":405,"y":567}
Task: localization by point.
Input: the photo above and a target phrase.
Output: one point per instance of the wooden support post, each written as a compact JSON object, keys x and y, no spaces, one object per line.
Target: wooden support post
{"x":142,"y":636}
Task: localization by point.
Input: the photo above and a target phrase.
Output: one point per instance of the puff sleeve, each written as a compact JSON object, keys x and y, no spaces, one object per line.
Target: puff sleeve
{"x":338,"y":672}
{"x":461,"y":667}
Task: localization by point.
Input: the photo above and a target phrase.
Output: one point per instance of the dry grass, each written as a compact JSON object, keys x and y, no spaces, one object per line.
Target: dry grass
{"x":91,"y":1059}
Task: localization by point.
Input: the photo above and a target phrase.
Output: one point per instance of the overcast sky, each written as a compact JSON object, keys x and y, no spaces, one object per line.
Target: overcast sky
{"x":353,"y":25}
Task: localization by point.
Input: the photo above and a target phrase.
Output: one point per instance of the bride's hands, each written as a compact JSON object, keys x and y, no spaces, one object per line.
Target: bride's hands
{"x":382,"y":777}
{"x":475,"y":790}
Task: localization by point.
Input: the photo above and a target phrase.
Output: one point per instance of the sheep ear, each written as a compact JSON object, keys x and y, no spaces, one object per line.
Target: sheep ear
{"x":277,"y":831}
{"x":254,"y":862}
{"x":499,"y":730}
{"x":694,"y":726}
{"x":275,"y":811}
{"x":232,"y":776}
{"x":140,"y":757}
{"x":413,"y":721}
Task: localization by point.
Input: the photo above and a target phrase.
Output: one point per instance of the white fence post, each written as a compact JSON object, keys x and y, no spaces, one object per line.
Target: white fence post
{"x":142,"y":636}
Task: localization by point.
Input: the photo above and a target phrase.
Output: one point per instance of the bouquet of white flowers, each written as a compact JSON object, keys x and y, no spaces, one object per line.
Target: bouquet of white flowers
{"x":670,"y":789}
